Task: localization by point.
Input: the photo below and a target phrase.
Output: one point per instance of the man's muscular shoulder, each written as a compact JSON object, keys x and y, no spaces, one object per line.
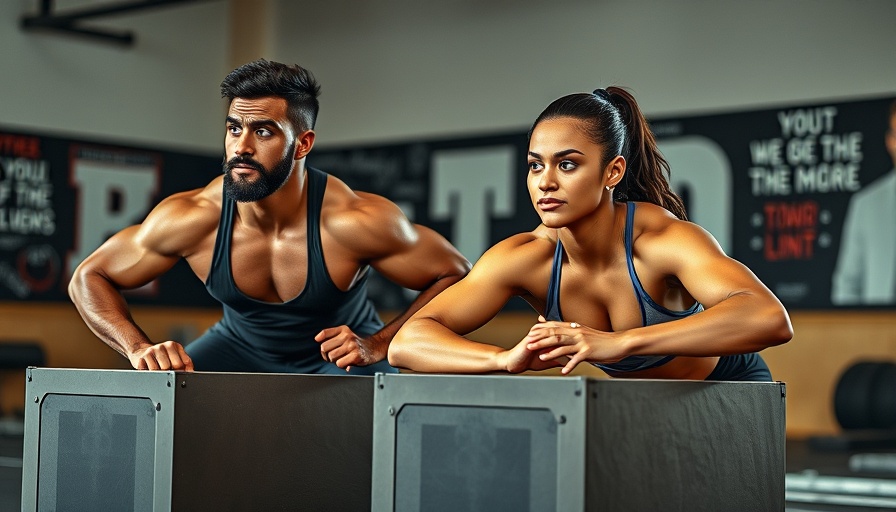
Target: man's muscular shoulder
{"x":183,"y":221}
{"x":367,"y":223}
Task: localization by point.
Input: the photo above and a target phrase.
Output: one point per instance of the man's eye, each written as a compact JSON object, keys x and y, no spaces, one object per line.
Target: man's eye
{"x":264,"y":132}
{"x":234,"y":130}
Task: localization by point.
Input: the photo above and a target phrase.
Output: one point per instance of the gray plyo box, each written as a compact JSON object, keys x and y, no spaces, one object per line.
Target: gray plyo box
{"x":158,"y":441}
{"x":482,"y":443}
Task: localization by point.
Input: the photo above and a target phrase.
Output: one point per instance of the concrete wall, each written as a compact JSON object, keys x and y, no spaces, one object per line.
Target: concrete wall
{"x":161,"y":92}
{"x":401,"y":68}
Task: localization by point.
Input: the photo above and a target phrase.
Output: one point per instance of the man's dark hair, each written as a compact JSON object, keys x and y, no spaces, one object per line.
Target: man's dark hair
{"x":263,"y":78}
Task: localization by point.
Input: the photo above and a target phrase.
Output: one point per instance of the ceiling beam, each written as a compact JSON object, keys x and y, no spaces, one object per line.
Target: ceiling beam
{"x":69,"y":22}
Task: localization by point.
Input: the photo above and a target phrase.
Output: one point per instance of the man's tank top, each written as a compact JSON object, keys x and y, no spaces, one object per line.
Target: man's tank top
{"x":651,"y":312}
{"x":284,"y":332}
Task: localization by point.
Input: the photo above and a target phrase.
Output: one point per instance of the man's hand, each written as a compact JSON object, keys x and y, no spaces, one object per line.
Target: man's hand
{"x":168,"y":355}
{"x":344,"y":348}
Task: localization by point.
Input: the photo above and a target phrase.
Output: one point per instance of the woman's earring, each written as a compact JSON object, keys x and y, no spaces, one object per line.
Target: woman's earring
{"x":608,"y":187}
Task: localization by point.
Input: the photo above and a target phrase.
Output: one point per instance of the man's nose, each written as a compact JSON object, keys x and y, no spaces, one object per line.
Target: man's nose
{"x":244,"y":145}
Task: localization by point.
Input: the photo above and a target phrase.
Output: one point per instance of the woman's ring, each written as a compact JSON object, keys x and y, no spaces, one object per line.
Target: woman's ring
{"x":574,"y":325}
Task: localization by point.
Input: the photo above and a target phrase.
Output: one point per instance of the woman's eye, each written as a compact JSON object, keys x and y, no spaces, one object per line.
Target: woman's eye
{"x":534,"y":166}
{"x":567,"y":165}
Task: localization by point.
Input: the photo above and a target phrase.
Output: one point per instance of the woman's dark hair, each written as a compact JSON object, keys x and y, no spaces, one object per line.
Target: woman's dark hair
{"x":614,"y":122}
{"x":263,"y":78}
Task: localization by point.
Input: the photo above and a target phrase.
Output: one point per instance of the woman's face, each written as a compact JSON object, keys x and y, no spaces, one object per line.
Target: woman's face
{"x":566,"y":179}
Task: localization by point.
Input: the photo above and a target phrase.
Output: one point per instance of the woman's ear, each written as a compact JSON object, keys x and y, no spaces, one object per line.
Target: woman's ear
{"x":615,"y":171}
{"x":304,"y":143}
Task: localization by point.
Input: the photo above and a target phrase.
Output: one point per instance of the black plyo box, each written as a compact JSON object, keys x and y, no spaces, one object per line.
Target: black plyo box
{"x":481,"y":443}
{"x":149,"y":441}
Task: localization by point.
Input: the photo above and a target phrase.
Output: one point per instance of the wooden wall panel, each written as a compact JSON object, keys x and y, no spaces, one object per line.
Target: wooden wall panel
{"x":824,"y":345}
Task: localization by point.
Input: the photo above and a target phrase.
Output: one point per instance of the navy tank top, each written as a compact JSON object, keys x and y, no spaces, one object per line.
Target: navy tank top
{"x":285,"y":331}
{"x":651,"y":312}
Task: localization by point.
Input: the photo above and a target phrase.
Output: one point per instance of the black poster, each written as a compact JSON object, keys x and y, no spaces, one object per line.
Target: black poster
{"x":61,"y":198}
{"x":774,"y":186}
{"x":791,"y":173}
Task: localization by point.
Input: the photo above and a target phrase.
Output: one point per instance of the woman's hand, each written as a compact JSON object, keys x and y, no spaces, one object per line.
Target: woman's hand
{"x":520,"y":359}
{"x":550,"y":341}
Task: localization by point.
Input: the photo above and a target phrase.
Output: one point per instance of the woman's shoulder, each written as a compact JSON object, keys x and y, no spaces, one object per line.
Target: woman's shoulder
{"x":519,"y":253}
{"x":658,"y":232}
{"x":535,"y":242}
{"x":651,"y":220}
{"x":649,"y":215}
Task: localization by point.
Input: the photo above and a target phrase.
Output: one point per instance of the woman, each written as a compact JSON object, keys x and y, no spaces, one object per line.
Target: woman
{"x":622,"y":280}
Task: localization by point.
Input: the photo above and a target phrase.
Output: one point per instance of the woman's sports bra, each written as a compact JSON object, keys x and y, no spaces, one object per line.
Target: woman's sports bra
{"x":651,"y":312}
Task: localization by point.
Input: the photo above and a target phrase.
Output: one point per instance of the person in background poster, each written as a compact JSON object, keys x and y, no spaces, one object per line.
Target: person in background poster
{"x":286,"y":248}
{"x":621,"y":279}
{"x":865,"y":272}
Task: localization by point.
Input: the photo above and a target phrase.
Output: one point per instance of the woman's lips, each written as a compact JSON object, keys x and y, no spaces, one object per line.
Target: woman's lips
{"x":548,"y":204}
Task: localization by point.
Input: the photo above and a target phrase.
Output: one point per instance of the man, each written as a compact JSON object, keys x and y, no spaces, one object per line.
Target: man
{"x":284,"y":247}
{"x":866,"y":266}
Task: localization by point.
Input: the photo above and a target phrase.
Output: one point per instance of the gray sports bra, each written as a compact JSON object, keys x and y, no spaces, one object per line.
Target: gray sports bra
{"x":651,"y":312}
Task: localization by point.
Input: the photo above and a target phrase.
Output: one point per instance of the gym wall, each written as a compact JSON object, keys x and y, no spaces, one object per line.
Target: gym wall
{"x":405,"y":70}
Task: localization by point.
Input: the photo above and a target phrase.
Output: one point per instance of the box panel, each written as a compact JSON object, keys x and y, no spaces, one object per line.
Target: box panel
{"x":273,"y":442}
{"x":490,"y":453}
{"x":96,"y":453}
{"x":135,"y":440}
{"x":686,"y":446}
{"x":601,"y":445}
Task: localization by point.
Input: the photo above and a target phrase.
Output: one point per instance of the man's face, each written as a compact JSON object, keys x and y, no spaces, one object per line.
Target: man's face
{"x":259,"y":148}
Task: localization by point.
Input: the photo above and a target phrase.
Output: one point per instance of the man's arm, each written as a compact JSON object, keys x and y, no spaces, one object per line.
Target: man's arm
{"x":132,"y":258}
{"x":431,"y":260}
{"x":410,"y":255}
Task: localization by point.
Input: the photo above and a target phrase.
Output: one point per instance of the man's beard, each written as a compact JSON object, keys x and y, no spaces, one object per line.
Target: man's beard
{"x":268,"y":181}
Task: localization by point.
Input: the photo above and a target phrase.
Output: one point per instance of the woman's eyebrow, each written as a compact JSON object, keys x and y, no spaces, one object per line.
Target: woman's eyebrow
{"x":558,"y":154}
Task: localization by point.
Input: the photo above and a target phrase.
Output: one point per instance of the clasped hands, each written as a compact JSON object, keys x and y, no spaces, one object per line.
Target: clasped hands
{"x":551,"y":344}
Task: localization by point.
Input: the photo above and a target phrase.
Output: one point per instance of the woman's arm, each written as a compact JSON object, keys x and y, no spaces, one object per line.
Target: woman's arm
{"x":432,"y":339}
{"x":741,"y":314}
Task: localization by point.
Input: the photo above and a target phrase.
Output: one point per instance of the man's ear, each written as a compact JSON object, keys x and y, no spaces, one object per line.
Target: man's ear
{"x":615,"y":171}
{"x":304,"y":143}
